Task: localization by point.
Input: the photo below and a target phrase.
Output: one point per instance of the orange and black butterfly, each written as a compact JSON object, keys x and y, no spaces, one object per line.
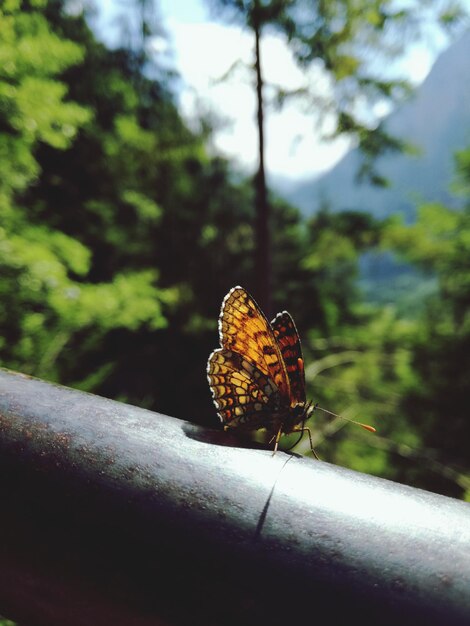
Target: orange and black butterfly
{"x":257,"y":377}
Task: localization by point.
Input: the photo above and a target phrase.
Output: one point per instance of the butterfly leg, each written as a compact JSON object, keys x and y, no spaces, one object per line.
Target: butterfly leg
{"x":278,"y":436}
{"x":311,"y":442}
{"x":302,"y":429}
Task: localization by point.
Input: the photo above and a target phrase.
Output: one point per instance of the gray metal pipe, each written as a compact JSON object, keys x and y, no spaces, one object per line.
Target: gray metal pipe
{"x":115,"y":515}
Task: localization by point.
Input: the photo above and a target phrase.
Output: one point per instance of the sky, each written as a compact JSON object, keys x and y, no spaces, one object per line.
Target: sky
{"x":202,"y":51}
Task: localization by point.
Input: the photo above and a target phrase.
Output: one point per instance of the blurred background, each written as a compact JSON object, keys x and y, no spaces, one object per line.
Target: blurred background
{"x":135,"y":192}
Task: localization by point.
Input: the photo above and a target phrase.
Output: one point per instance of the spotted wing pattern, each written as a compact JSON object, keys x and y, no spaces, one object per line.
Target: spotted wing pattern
{"x":288,"y":341}
{"x":244,"y":329}
{"x":243,"y":395}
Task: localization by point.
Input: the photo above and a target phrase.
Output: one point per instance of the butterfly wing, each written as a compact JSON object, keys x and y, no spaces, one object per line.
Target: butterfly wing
{"x":288,"y":341}
{"x":244,"y":329}
{"x":243,"y":395}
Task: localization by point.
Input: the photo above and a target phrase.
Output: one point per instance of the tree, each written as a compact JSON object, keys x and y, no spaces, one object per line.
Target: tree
{"x":347,"y":38}
{"x":49,"y":293}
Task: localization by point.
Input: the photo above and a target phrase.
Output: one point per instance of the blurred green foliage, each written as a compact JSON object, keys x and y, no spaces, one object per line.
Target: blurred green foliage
{"x":120,"y":235}
{"x":48,"y":294}
{"x":437,"y":399}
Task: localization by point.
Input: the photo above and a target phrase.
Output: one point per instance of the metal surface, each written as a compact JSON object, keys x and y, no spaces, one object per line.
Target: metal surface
{"x":116,"y":515}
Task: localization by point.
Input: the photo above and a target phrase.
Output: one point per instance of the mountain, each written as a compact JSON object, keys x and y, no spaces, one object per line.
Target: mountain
{"x":436,"y":121}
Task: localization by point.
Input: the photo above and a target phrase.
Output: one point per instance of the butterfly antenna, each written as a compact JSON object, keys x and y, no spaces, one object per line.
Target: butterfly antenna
{"x":371,"y":429}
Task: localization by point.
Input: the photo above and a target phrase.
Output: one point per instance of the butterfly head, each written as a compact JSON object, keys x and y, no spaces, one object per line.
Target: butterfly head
{"x":299,"y":414}
{"x":310,"y":409}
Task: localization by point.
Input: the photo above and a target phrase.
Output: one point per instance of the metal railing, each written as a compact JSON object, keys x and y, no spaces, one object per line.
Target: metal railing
{"x":115,"y":515}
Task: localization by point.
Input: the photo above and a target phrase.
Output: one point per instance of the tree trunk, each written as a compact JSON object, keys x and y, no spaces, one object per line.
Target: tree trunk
{"x":262,"y":226}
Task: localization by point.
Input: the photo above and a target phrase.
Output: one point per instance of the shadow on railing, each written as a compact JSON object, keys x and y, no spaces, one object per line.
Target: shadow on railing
{"x":115,"y":515}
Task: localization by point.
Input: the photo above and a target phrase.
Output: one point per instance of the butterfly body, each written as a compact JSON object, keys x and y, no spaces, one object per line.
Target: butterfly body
{"x":257,"y":377}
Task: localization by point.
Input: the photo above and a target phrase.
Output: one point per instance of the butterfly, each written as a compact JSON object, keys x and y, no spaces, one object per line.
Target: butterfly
{"x":257,"y":376}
